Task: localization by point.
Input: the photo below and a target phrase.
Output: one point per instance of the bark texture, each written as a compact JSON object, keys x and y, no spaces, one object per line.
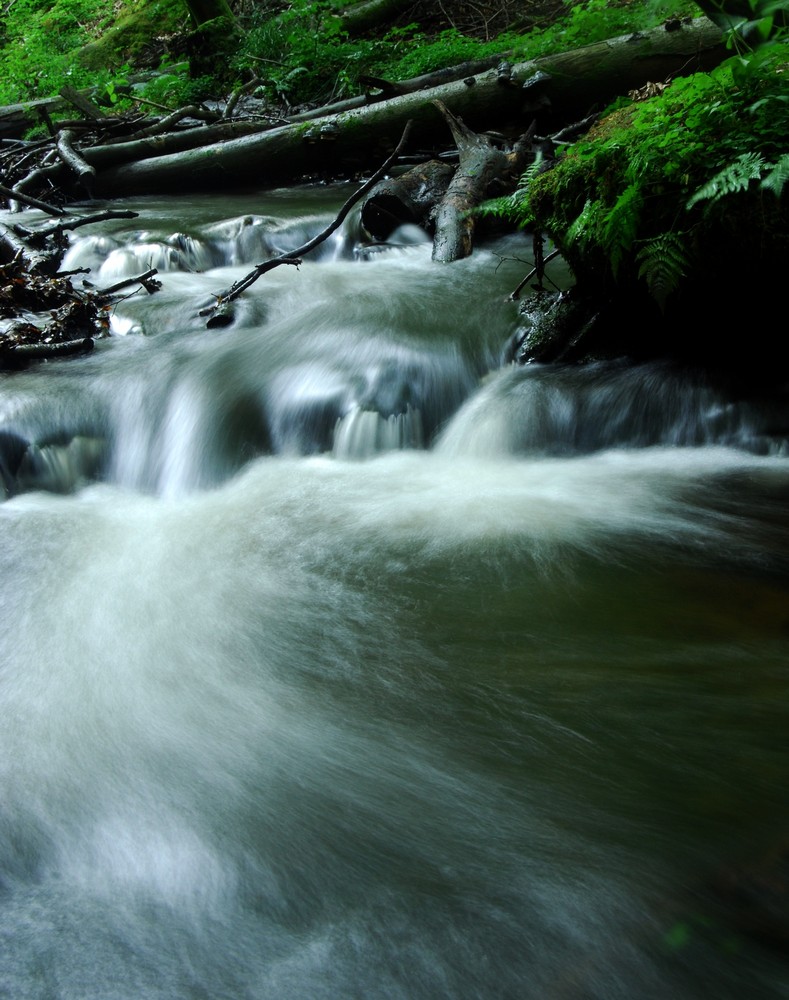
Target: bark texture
{"x":481,"y":164}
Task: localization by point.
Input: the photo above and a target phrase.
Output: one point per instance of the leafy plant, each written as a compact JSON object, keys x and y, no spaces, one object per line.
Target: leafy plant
{"x":735,"y":176}
{"x":635,"y":197}
{"x":302,"y":53}
{"x":662,"y":263}
{"x":748,"y":24}
{"x":776,"y":176}
{"x":42,"y":42}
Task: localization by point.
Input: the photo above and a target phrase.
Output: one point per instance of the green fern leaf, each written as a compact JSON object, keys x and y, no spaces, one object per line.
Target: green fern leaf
{"x":621,"y":224}
{"x":735,"y":176}
{"x":778,"y":176}
{"x":587,"y":225}
{"x":514,"y":207}
{"x":507,"y":207}
{"x":663,"y":264}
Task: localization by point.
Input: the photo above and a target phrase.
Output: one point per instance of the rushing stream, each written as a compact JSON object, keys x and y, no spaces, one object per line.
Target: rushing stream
{"x":341,"y":660}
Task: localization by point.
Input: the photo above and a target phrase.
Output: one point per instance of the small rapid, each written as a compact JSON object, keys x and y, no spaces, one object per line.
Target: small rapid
{"x":354,"y":353}
{"x":340,"y":659}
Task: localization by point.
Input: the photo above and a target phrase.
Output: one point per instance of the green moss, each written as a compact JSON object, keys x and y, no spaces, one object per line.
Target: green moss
{"x":132,"y":33}
{"x":45,"y":45}
{"x":660,"y":188}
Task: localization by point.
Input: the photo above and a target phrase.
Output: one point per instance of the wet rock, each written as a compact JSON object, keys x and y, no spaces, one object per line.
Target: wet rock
{"x":60,"y":467}
{"x":554,"y":326}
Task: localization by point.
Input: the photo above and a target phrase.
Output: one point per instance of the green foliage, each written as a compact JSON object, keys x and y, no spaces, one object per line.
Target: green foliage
{"x":42,"y":42}
{"x":748,"y":24}
{"x":597,"y":20}
{"x":177,"y":88}
{"x":621,"y":223}
{"x":513,"y":208}
{"x":635,"y":192}
{"x":776,"y":176}
{"x":37,"y":39}
{"x":735,"y":176}
{"x":416,"y":55}
{"x":302,"y":53}
{"x":662,"y":263}
{"x":297,"y":48}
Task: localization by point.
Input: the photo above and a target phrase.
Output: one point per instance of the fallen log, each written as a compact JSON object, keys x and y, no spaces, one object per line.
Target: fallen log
{"x":11,"y":356}
{"x":118,"y":152}
{"x":73,"y":160}
{"x":13,"y":194}
{"x":169,"y":121}
{"x":70,"y":224}
{"x":40,"y":251}
{"x":409,"y":198}
{"x":387,"y":89}
{"x":145,"y":279}
{"x":481,"y":164}
{"x":82,"y":103}
{"x":35,"y":261}
{"x":16,"y":119}
{"x":559,"y":88}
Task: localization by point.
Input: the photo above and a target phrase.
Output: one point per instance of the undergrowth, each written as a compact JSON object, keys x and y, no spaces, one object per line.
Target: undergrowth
{"x":41,"y":42}
{"x":298,"y":51}
{"x":302,"y":54}
{"x":640,"y":194}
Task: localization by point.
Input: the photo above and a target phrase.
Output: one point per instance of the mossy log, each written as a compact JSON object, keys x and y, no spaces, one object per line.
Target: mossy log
{"x":550,"y":91}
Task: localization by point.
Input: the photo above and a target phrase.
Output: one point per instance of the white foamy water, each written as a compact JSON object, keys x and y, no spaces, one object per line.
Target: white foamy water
{"x":338,"y":661}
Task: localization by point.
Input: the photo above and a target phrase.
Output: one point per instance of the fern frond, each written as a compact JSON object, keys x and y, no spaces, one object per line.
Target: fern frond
{"x":537,"y":166}
{"x":587,"y":224}
{"x":777,"y":176}
{"x":621,"y":224}
{"x":508,"y":207}
{"x":514,"y":207}
{"x":735,"y":176}
{"x":663,"y":262}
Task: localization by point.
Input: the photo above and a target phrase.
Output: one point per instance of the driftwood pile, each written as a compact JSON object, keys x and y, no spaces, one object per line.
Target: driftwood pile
{"x":42,"y":314}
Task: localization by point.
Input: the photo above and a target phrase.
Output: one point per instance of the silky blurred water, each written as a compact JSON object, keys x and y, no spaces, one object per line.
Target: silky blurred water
{"x":339,"y":659}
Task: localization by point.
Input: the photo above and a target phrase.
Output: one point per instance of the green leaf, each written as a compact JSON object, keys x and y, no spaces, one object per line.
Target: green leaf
{"x":735,"y":176}
{"x":663,"y":262}
{"x":777,"y":176}
{"x":586,"y":224}
{"x":621,"y":224}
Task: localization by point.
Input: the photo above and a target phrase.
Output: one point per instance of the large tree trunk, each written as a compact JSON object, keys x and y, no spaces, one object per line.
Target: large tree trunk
{"x":550,"y":91}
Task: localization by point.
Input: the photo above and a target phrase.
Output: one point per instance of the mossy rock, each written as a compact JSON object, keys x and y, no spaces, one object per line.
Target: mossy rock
{"x":134,"y":34}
